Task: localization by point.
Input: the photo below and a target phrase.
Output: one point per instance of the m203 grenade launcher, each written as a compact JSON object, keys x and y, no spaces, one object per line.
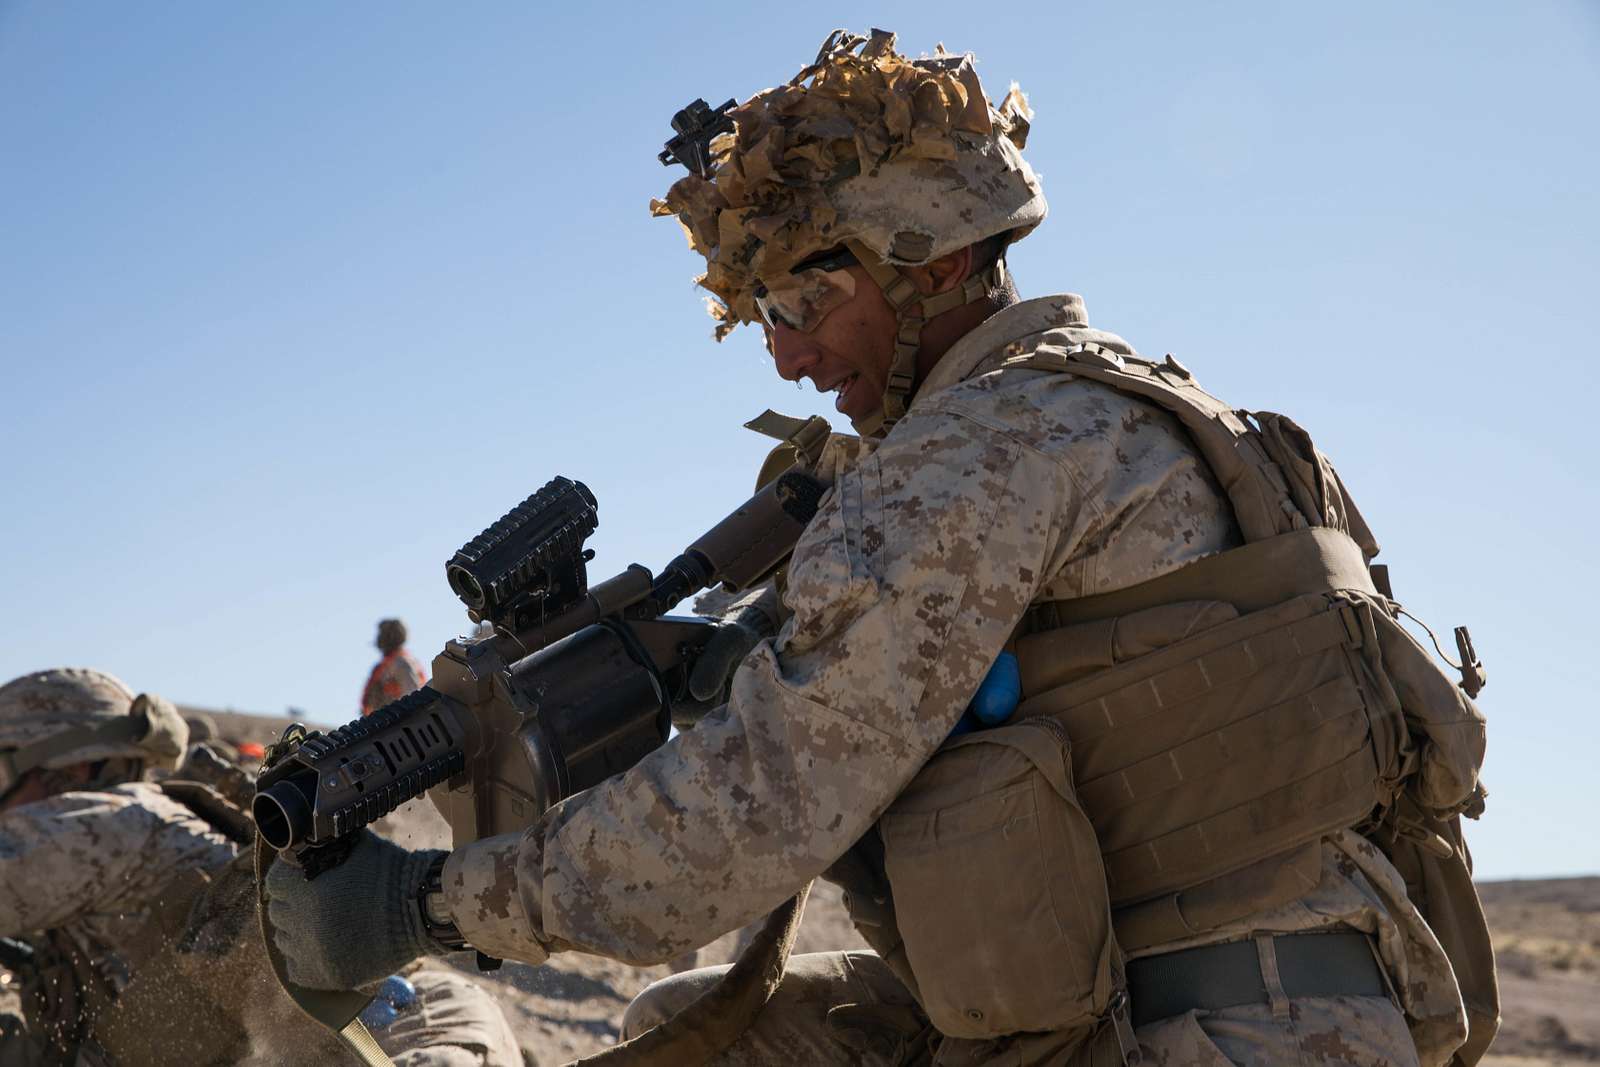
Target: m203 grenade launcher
{"x":576,"y":682}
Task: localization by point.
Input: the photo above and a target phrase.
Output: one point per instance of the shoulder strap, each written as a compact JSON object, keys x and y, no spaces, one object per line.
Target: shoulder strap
{"x":712,"y":1022}
{"x":1256,"y":487}
{"x":800,"y":442}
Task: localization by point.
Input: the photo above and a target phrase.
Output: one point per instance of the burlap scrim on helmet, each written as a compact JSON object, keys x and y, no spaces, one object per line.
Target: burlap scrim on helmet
{"x":810,"y":164}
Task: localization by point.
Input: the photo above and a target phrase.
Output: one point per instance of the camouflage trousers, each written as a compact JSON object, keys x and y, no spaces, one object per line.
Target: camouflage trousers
{"x":849,"y":1008}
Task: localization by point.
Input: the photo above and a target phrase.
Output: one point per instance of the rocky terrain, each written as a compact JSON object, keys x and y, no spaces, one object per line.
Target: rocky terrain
{"x":1547,"y":941}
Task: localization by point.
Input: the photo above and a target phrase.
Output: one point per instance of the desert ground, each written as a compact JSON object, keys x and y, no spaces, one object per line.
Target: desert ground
{"x":1546,"y":932}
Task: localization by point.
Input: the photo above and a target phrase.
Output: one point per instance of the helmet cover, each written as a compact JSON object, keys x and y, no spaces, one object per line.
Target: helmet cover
{"x":40,"y":705}
{"x":906,"y":157}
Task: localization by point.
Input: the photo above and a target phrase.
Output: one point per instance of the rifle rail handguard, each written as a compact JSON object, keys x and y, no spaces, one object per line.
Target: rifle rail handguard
{"x":318,"y":790}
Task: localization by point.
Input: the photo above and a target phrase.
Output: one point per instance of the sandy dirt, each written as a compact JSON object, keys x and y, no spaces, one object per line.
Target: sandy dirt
{"x":1547,"y":941}
{"x":1546,"y":932}
{"x":1547,"y":937}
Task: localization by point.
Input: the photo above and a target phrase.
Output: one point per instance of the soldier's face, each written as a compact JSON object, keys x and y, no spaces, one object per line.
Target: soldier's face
{"x":41,"y":785}
{"x":847,"y":353}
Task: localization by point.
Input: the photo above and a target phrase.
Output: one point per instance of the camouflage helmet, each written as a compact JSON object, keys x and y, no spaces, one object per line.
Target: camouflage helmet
{"x":69,"y":715}
{"x":901,"y":161}
{"x":202,"y":727}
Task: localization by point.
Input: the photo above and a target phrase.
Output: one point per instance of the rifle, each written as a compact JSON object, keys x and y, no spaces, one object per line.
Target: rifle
{"x":575,"y":683}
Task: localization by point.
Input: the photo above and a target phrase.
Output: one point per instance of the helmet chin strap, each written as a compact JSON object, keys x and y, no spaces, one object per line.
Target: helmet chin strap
{"x":902,"y":294}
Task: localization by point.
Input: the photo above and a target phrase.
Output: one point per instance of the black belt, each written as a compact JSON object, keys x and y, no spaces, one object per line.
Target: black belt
{"x":1227,"y":975}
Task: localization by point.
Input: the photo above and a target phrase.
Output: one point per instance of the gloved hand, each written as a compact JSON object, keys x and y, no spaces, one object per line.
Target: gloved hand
{"x":355,"y":923}
{"x":730,"y":643}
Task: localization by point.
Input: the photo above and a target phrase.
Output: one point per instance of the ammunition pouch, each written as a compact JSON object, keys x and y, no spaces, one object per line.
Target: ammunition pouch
{"x":999,"y":887}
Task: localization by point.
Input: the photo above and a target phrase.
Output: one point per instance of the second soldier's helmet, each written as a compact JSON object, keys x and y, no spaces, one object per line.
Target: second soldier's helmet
{"x":69,"y":715}
{"x":202,"y":727}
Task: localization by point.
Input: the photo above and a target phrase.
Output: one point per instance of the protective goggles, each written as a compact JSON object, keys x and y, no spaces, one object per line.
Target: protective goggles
{"x":802,"y":298}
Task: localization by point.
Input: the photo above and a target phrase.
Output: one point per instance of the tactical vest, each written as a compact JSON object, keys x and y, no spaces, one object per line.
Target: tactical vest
{"x":196,"y":947}
{"x":1215,"y":723}
{"x":1238,"y":725}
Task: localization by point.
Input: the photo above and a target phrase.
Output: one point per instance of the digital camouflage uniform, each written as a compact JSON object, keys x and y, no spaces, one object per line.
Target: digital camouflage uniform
{"x":395,"y":675}
{"x":81,"y":871}
{"x":996,"y":490}
{"x":105,"y":856}
{"x":981,"y":492}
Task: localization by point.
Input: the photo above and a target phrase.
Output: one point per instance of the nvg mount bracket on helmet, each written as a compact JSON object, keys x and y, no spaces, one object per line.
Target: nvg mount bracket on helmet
{"x":695,"y":126}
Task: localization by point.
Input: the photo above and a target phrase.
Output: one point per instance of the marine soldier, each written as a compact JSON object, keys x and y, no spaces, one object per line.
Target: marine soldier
{"x":396,"y":674}
{"x":1185,"y":829}
{"x":127,"y":910}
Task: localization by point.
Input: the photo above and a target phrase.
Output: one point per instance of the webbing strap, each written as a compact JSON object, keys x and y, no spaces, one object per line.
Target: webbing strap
{"x":972,"y":289}
{"x":1227,"y":975}
{"x":18,"y":762}
{"x":1256,"y":488}
{"x":800,"y":442}
{"x":902,"y":294}
{"x":1251,"y":577}
{"x":363,"y":1044}
{"x":805,"y":436}
{"x":710,"y":1024}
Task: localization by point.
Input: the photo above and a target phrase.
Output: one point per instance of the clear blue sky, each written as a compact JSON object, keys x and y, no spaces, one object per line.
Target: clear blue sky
{"x":294,"y":298}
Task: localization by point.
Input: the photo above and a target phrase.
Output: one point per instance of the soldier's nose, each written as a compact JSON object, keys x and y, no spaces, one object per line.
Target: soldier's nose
{"x":793,"y":353}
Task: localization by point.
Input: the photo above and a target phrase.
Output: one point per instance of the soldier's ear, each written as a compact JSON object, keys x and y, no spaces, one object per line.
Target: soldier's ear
{"x":943,"y":274}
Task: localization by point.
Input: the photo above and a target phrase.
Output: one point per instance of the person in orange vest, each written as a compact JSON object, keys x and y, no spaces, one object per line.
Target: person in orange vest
{"x":396,"y":674}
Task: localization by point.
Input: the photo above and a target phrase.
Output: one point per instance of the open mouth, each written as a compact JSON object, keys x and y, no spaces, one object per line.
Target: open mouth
{"x":843,"y":389}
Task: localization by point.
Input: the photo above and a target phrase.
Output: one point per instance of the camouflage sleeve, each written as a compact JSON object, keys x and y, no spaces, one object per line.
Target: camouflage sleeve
{"x":902,"y":591}
{"x":82,"y":853}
